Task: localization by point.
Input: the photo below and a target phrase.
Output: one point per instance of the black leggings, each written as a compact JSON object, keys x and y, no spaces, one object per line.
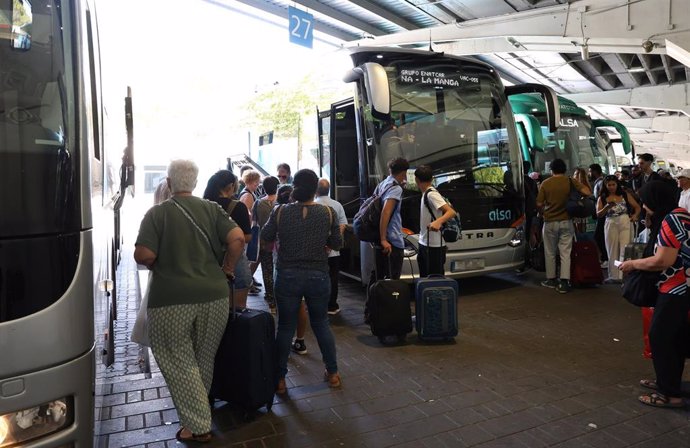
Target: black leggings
{"x":668,"y":340}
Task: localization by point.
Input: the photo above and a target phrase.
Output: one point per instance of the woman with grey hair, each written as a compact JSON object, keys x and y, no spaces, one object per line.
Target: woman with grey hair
{"x":181,"y":241}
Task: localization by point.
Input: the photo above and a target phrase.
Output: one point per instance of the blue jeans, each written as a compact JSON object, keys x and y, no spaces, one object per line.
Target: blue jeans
{"x":289,"y":288}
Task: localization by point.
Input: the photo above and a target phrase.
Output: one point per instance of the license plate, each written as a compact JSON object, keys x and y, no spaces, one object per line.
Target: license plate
{"x":471,"y":264}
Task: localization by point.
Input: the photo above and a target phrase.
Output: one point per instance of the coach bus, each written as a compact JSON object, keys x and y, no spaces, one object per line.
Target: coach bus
{"x":577,"y":140}
{"x":448,"y":112}
{"x":59,"y":203}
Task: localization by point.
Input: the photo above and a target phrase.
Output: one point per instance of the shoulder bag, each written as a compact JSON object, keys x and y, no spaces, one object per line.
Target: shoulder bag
{"x":253,"y":245}
{"x":640,"y":287}
{"x":579,"y":205}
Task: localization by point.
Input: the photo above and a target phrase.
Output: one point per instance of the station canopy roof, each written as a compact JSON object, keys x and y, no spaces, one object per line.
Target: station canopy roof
{"x":601,"y":49}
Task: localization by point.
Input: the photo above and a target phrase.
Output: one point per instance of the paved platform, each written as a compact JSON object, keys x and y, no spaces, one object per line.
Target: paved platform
{"x":531,"y":368}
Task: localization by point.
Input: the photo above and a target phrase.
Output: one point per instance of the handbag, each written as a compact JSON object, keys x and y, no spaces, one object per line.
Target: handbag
{"x":253,"y":245}
{"x":579,"y":205}
{"x":140,"y":331}
{"x":639,"y":288}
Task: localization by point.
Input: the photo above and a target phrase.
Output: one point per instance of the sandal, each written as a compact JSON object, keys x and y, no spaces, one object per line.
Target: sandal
{"x":649,"y":384}
{"x":660,"y":401}
{"x":195,"y":438}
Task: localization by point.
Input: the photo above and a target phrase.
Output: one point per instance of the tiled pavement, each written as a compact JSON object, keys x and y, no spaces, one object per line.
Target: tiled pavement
{"x":531,"y":368}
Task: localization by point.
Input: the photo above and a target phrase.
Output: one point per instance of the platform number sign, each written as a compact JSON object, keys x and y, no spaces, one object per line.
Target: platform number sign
{"x":301,"y":27}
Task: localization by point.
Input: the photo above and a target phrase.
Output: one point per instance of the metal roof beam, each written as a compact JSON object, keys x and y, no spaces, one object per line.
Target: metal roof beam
{"x":341,"y":17}
{"x":647,"y":65}
{"x":605,"y":26}
{"x":668,"y":69}
{"x":620,"y":69}
{"x":675,"y":97}
{"x":592,"y":70}
{"x":385,"y":14}
{"x":679,"y":124}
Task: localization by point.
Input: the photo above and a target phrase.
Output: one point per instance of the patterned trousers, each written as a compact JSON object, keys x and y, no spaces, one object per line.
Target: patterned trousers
{"x":266,"y":260}
{"x":184,"y":341}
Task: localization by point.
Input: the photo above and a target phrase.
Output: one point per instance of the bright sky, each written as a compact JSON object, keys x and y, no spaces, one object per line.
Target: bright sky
{"x":192,"y":68}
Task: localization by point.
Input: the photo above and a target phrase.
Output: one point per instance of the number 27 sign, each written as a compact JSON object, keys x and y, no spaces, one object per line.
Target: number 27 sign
{"x":301,"y":27}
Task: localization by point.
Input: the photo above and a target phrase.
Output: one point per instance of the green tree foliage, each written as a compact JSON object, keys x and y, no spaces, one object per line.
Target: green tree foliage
{"x":283,"y":107}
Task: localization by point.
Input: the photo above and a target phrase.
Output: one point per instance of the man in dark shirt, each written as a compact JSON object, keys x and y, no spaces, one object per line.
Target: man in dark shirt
{"x":645,"y":161}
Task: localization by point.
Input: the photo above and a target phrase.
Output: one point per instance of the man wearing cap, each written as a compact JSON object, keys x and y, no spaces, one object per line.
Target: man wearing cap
{"x":684,"y":184}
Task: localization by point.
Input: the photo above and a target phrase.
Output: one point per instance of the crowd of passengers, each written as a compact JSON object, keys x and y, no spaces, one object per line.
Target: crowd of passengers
{"x":195,"y":246}
{"x":634,"y":205}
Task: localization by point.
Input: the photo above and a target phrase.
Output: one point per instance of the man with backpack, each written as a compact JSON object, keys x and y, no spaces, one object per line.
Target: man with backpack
{"x":389,"y":250}
{"x":558,"y":228}
{"x":434,"y":212}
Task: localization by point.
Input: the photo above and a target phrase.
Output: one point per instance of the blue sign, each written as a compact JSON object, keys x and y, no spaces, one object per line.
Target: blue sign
{"x":301,"y":27}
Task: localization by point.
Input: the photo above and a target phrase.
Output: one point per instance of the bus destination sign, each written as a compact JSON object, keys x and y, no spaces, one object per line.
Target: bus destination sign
{"x":434,"y":78}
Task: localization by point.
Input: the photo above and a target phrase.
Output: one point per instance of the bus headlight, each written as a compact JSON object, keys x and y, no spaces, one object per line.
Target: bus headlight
{"x":517,"y":239}
{"x":17,"y":428}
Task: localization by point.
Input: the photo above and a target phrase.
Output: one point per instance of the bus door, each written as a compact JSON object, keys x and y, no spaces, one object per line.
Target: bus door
{"x":339,"y":162}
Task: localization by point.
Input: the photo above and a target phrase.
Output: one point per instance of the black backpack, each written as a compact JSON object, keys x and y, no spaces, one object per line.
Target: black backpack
{"x":366,"y":221}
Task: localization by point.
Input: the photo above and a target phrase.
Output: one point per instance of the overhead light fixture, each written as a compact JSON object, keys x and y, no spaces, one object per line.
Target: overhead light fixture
{"x":636,"y":70}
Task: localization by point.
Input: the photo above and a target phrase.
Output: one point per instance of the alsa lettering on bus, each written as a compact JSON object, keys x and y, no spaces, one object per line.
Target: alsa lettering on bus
{"x":568,"y":123}
{"x":500,"y":215}
{"x":434,"y":78}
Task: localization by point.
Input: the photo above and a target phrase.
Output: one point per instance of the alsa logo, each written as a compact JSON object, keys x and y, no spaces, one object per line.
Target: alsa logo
{"x":500,"y":215}
{"x":568,"y":123}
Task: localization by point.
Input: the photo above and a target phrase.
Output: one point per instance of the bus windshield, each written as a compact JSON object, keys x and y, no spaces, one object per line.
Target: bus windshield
{"x":450,"y":114}
{"x":575,"y":141}
{"x":35,"y":95}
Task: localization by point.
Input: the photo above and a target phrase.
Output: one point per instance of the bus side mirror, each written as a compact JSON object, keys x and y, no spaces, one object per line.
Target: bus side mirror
{"x":376,"y":84}
{"x":553,"y":110}
{"x":620,"y":128}
{"x":535,"y":138}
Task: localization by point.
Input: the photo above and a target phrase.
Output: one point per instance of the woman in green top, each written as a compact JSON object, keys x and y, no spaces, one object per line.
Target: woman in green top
{"x":181,"y":241}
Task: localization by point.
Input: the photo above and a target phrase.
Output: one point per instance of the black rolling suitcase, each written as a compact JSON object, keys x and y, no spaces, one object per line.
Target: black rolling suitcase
{"x":389,"y":309}
{"x":245,"y":369}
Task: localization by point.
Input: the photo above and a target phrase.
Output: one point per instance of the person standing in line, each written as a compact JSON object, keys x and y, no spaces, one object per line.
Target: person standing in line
{"x":221,"y":189}
{"x":647,"y":174}
{"x":181,"y":241}
{"x":684,"y":185}
{"x":597,"y":179}
{"x":433,"y":212}
{"x":263,"y":210}
{"x":581,"y":223}
{"x":284,"y":196}
{"x":668,"y":334}
{"x":303,"y":229}
{"x":284,"y":174}
{"x":557,"y":233}
{"x":322,"y":197}
{"x":618,"y":209}
{"x":389,"y":251}
{"x":252,"y":180}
